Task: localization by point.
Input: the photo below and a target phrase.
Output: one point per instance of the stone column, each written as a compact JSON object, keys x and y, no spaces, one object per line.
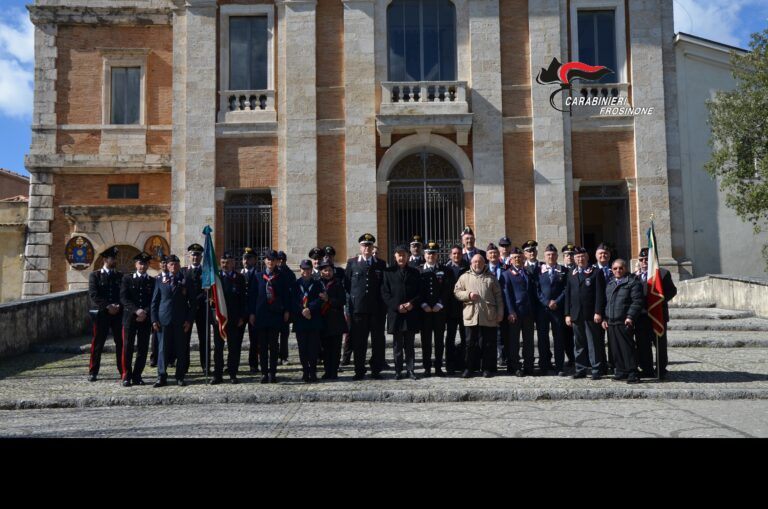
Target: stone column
{"x":194,"y":123}
{"x":297,"y":128}
{"x":487,"y":128}
{"x":554,"y":216}
{"x":360,"y":120}
{"x":37,"y":251}
{"x":648,"y":90}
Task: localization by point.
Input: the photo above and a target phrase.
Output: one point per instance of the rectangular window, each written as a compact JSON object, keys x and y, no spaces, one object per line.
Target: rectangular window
{"x":597,"y":41}
{"x":123,"y":191}
{"x":126,"y":95}
{"x":248,"y":52}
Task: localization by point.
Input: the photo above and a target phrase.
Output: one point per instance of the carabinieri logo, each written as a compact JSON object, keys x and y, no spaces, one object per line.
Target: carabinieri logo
{"x":565,"y":74}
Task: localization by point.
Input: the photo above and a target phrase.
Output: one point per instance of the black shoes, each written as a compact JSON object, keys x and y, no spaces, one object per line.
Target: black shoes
{"x":562,"y":373}
{"x":596,"y":376}
{"x":618,"y":378}
{"x":427,"y":372}
{"x":487,"y":374}
{"x":633,"y":379}
{"x":467,"y":374}
{"x":138,"y":381}
{"x":439,"y":372}
{"x":312,"y":378}
{"x":161,"y":382}
{"x":579,"y":374}
{"x":126,"y":383}
{"x":305,"y":377}
{"x":253,"y":371}
{"x":265,"y":379}
{"x":412,"y":375}
{"x":272,"y":378}
{"x":399,"y":375}
{"x":181,"y":383}
{"x":91,"y":378}
{"x":376,"y":376}
{"x":233,"y":380}
{"x":347,"y":360}
{"x":215,"y":380}
{"x":358,"y":376}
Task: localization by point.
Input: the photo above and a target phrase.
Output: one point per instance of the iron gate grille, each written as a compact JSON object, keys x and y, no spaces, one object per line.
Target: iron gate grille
{"x":248,"y":223}
{"x":433,"y":210}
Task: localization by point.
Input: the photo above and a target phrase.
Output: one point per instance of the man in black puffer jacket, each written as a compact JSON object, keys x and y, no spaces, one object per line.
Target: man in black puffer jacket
{"x":623,"y":305}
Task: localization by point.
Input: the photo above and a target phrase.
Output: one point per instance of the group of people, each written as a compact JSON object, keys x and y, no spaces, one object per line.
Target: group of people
{"x":492,"y":300}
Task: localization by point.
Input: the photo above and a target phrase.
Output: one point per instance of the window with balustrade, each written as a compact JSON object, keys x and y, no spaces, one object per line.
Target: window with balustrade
{"x":597,"y":41}
{"x":421,"y":40}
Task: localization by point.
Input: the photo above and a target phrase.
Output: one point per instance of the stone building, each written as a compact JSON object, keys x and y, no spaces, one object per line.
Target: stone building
{"x":293,"y":123}
{"x":13,"y":220}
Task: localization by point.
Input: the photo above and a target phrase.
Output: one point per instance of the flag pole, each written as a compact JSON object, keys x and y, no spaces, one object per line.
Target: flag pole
{"x":207,"y":333}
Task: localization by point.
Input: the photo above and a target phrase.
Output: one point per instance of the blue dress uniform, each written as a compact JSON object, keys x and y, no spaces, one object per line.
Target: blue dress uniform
{"x":362,"y":280}
{"x":454,"y":358}
{"x":194,"y":275}
{"x":269,"y":298}
{"x":334,"y":323}
{"x":233,"y":286}
{"x":153,"y":355}
{"x":253,"y":340}
{"x":103,"y":290}
{"x":550,"y":286}
{"x":286,"y":272}
{"x":585,"y":297}
{"x":608,"y":274}
{"x":437,"y":290}
{"x":306,"y":295}
{"x":542,"y":344}
{"x":519,"y":295}
{"x":173,"y":303}
{"x":568,"y":331}
{"x":136,"y":293}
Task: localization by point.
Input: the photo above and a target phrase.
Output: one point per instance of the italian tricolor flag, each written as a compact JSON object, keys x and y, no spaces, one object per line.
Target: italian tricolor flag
{"x":655,"y":290}
{"x":212,"y":280}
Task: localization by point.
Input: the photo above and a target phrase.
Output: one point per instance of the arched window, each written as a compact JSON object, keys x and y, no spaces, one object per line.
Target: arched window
{"x":422,"y":40}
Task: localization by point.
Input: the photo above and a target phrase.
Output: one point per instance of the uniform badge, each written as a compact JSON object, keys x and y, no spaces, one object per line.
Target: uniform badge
{"x":588,"y":282}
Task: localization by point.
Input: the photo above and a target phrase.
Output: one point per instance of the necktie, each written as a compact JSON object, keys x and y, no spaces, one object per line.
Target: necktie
{"x":551,"y":275}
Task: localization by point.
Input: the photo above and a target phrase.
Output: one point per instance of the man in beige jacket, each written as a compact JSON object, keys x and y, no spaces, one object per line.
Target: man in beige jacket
{"x":480,"y":293}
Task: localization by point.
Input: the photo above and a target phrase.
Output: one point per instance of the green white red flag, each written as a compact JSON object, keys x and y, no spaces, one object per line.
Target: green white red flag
{"x":655,"y":289}
{"x":212,"y":280}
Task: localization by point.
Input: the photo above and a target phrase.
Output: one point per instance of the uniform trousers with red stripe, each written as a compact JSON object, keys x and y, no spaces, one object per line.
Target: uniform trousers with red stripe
{"x":138,"y":333}
{"x":102,"y":325}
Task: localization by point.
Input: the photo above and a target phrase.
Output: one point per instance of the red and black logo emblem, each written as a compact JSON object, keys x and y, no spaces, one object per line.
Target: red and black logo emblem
{"x":565,"y":74}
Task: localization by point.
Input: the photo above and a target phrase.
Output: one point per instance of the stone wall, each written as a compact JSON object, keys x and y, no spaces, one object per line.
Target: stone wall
{"x":42,"y":319}
{"x":728,"y":292}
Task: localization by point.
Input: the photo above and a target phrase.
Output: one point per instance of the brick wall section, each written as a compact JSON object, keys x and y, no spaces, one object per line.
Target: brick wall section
{"x":380,"y":151}
{"x":246,"y":163}
{"x":603,"y":155}
{"x":60,"y":230}
{"x":80,"y":70}
{"x":218,"y":233}
{"x":382,"y":237}
{"x":331,"y":199}
{"x":515,"y":57}
{"x":78,"y":142}
{"x":159,"y":142}
{"x":12,"y":185}
{"x":469,"y":209}
{"x":154,"y":189}
{"x":576,"y":220}
{"x":330,"y":60}
{"x":519,"y":203}
{"x":635,"y":240}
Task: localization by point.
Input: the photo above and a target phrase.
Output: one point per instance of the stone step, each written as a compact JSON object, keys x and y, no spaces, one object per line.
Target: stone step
{"x":677,"y":304}
{"x":737,"y":324}
{"x":717,"y":339}
{"x":708,"y":314}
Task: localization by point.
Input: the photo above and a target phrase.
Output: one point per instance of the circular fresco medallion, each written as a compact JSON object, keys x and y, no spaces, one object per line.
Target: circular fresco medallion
{"x":156,"y":246}
{"x":79,"y":252}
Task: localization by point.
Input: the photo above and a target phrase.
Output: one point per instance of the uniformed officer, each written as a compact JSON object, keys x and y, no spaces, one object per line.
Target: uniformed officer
{"x":233,"y":287}
{"x":416,"y":259}
{"x":468,"y":240}
{"x":315,"y":256}
{"x":454,"y":357}
{"x":173,"y":311}
{"x":504,"y":246}
{"x":136,"y":292}
{"x":282,"y":267}
{"x":193,"y":273}
{"x":269,"y":306}
{"x":106,"y":311}
{"x":624,"y":303}
{"x":570,"y":264}
{"x":497,"y":268}
{"x":437,"y":290}
{"x":531,"y":251}
{"x":249,"y":272}
{"x":584,"y":308}
{"x":519,"y":294}
{"x":550,"y":291}
{"x":401,"y":294}
{"x":362,"y":281}
{"x":603,"y":257}
{"x":153,"y":355}
{"x":330,"y":253}
{"x":307,"y":320}
{"x":334,"y":323}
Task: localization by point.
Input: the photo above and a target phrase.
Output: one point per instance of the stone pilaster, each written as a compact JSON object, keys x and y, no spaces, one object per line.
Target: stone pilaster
{"x":194,"y":127}
{"x":487,"y":127}
{"x":648,"y":90}
{"x":360,"y":121}
{"x":297,"y":125}
{"x":37,"y":251}
{"x":554,"y":216}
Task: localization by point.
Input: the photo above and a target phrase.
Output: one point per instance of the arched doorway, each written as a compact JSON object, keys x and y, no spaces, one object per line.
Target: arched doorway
{"x":125,"y":262}
{"x":425,"y":197}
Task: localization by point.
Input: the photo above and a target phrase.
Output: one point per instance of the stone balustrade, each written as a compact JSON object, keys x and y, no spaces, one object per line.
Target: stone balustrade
{"x":246,"y":106}
{"x":425,"y":97}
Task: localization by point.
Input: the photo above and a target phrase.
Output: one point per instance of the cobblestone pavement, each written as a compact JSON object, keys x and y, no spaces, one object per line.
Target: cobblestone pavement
{"x":58,"y":380}
{"x":619,"y":418}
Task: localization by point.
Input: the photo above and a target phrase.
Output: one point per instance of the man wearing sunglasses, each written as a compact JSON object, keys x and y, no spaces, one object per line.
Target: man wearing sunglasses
{"x":623,"y":304}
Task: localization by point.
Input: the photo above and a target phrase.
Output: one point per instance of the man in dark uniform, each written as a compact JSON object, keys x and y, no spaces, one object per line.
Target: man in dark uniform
{"x":550,"y":290}
{"x":136,"y":292}
{"x":454,"y":358}
{"x":644,"y":331}
{"x":362,"y":281}
{"x":416,"y":259}
{"x":193,"y":273}
{"x":233,"y":287}
{"x":519,"y":293}
{"x":106,"y":311}
{"x":468,"y":240}
{"x":437,"y":290}
{"x":334,"y":322}
{"x":401,"y":294}
{"x":269,"y":307}
{"x":603,"y":257}
{"x":497,"y":268}
{"x":570,"y":264}
{"x":330,"y":253}
{"x":153,"y":355}
{"x":504,"y":246}
{"x":338,"y":273}
{"x":316,"y":255}
{"x":282,"y":267}
{"x":624,"y":303}
{"x":531,"y":265}
{"x":249,"y":271}
{"x":173,"y":310}
{"x":531,"y":251}
{"x":584,"y":307}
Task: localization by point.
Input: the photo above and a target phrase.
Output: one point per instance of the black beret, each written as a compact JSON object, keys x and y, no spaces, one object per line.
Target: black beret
{"x":271,"y":255}
{"x":580,"y":250}
{"x":282,"y":256}
{"x":195,"y":248}
{"x":402,"y":247}
{"x":173,"y":258}
{"x":305,"y":264}
{"x":366,"y":238}
{"x":504,"y":241}
{"x":550,"y":247}
{"x":142,"y":257}
{"x":515,"y":250}
{"x":227,"y":256}
{"x":109,"y":253}
{"x":603,"y":246}
{"x":491,"y":247}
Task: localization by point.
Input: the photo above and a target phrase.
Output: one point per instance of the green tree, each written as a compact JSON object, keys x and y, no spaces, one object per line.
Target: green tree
{"x":739,"y":123}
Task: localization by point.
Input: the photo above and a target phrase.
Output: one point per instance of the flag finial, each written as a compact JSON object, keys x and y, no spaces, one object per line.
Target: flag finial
{"x":207,"y":229}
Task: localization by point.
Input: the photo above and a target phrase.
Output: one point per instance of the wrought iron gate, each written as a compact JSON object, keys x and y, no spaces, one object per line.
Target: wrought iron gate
{"x":248,"y":223}
{"x":431,"y":206}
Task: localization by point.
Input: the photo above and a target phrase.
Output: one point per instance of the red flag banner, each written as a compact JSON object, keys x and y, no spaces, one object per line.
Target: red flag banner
{"x":655,"y":289}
